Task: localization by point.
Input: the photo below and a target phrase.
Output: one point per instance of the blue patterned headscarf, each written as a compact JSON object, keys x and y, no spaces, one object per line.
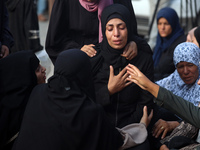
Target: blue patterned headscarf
{"x":187,"y":52}
{"x":163,"y":43}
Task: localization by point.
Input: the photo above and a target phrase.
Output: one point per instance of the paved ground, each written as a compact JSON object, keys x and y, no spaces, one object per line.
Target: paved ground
{"x":43,"y":31}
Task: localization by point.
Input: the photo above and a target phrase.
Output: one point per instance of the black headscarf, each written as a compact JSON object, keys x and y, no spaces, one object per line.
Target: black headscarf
{"x":61,"y":114}
{"x":110,"y":55}
{"x":17,"y":79}
{"x":72,"y":75}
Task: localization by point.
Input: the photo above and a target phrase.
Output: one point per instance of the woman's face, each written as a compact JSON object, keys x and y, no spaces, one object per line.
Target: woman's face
{"x":41,"y":74}
{"x":188,"y":72}
{"x":116,"y":33}
{"x":164,"y":28}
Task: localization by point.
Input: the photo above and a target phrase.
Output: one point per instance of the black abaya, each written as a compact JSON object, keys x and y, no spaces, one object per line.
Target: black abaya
{"x":61,"y":115}
{"x":72,"y":26}
{"x":124,"y":107}
{"x":23,"y":23}
{"x":17,"y":79}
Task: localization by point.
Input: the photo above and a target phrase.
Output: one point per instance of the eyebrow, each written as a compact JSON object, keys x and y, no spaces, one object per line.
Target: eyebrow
{"x":117,"y":24}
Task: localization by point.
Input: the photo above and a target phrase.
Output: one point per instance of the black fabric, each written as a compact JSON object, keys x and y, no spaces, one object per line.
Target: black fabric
{"x":23,"y":23}
{"x":113,"y":56}
{"x":6,"y":37}
{"x":179,"y":142}
{"x":73,"y":28}
{"x":159,"y":113}
{"x":17,"y":79}
{"x":62,"y":115}
{"x":196,"y":34}
{"x":126,"y":106}
{"x":143,"y":146}
{"x":166,"y":59}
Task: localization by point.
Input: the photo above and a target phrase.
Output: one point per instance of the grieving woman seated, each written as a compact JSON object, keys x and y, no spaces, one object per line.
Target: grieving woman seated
{"x":20,"y":72}
{"x":123,"y":101}
{"x":62,"y":114}
{"x":183,"y":83}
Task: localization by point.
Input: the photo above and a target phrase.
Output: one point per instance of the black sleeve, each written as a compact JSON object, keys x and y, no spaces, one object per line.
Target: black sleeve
{"x":186,"y":110}
{"x":7,"y":38}
{"x":145,"y":97}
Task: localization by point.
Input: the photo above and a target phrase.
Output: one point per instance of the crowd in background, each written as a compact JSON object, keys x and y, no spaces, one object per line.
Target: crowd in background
{"x":109,"y":89}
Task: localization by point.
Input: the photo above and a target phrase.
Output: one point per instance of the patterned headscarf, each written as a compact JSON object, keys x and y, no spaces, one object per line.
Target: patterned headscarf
{"x":187,"y":52}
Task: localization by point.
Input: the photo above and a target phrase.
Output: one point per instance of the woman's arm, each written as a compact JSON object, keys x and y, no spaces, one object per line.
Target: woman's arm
{"x":165,"y":98}
{"x":184,"y":109}
{"x":141,"y":80}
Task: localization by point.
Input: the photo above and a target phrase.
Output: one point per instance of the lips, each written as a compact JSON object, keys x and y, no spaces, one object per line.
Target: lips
{"x":187,"y":78}
{"x":45,"y":76}
{"x":162,"y":33}
{"x":117,"y":42}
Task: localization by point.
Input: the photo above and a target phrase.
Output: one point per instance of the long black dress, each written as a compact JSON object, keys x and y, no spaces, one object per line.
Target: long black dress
{"x":72,"y":26}
{"x":124,"y":107}
{"x":62,"y":115}
{"x":23,"y":23}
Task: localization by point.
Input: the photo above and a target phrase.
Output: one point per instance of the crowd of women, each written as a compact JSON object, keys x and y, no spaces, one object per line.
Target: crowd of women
{"x":108,"y":90}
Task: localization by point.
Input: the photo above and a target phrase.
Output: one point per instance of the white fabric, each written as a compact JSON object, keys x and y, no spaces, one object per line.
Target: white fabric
{"x":134,"y":134}
{"x":45,"y":62}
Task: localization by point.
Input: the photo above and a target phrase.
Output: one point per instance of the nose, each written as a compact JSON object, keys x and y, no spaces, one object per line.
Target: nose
{"x":162,"y":26}
{"x":185,"y":70}
{"x":116,"y":32}
{"x":43,"y":69}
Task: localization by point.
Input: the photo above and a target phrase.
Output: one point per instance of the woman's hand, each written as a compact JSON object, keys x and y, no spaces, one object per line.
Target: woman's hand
{"x":118,"y":82}
{"x":4,"y":51}
{"x":89,"y":50}
{"x":136,"y":76}
{"x":130,"y":50}
{"x":163,"y":127}
{"x":145,"y":118}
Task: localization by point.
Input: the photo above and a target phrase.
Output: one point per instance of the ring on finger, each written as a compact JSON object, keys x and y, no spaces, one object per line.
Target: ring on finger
{"x":162,"y":128}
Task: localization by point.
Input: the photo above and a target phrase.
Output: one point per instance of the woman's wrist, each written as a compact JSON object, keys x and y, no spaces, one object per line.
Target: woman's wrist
{"x":153,"y":89}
